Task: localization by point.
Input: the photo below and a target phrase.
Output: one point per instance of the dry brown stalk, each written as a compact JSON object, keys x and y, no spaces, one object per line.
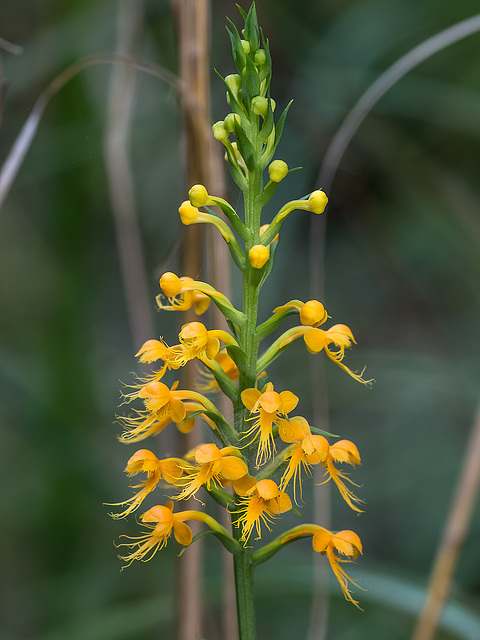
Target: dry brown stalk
{"x":122,"y":194}
{"x":453,"y":537}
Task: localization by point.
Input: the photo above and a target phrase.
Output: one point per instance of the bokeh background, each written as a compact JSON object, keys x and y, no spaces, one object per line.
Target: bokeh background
{"x":402,"y":269}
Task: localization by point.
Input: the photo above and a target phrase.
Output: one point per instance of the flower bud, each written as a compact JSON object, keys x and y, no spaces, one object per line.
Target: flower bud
{"x":229,"y":122}
{"x":312,"y":313}
{"x":260,"y":57}
{"x":260,"y":106}
{"x":219,"y":131}
{"x":258,"y":256}
{"x":188,"y":213}
{"x":246,"y":46}
{"x":170,"y":284}
{"x":277,"y":170}
{"x":234,"y":82}
{"x":317,"y":202}
{"x":198,"y":195}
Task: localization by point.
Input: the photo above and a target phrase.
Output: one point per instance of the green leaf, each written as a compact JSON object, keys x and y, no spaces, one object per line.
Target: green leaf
{"x":267,"y":194}
{"x":281,"y":123}
{"x":250,"y":78}
{"x":237,"y":48}
{"x":324,"y":433}
{"x":251,"y":32}
{"x":237,"y":355}
{"x":245,"y":147}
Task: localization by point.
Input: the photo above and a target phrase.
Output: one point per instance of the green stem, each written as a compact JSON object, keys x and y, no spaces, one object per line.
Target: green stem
{"x":249,"y":343}
{"x":243,"y":568}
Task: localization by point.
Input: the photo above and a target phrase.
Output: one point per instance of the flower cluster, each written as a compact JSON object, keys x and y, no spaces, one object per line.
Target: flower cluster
{"x":266,"y":451}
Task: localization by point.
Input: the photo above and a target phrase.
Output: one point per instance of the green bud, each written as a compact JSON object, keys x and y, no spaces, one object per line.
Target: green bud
{"x":219,"y":131}
{"x":246,"y":46}
{"x":260,"y":106}
{"x":260,"y":57}
{"x":234,"y":82}
{"x":230,"y":120}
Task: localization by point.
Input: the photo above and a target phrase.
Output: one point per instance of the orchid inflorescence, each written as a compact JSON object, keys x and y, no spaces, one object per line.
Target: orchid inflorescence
{"x":267,"y":450}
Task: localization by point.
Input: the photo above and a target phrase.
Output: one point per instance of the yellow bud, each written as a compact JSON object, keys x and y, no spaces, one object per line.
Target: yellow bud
{"x":260,"y":105}
{"x":317,"y":202}
{"x":246,"y":46}
{"x":198,"y":195}
{"x":219,"y":131}
{"x":229,"y":122}
{"x":277,"y":170}
{"x":312,"y":313}
{"x":258,"y":256}
{"x":188,"y":213}
{"x":170,"y":284}
{"x":260,"y":57}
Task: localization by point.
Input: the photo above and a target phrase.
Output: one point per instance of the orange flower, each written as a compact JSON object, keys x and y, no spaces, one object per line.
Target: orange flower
{"x":343,"y":546}
{"x":306,"y":451}
{"x":264,"y":501}
{"x":182,"y":294}
{"x":343,"y":451}
{"x":270,"y":406}
{"x":161,"y":521}
{"x":162,"y":406}
{"x":170,"y":469}
{"x":197,"y":342}
{"x":215,"y":465}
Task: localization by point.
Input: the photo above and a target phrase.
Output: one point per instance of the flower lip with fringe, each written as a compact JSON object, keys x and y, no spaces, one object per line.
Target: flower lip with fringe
{"x":214,"y":465}
{"x":271,"y":407}
{"x":143,"y":460}
{"x":161,"y":521}
{"x":162,"y":406}
{"x":263,"y":502}
{"x":343,"y":546}
{"x":307,"y":449}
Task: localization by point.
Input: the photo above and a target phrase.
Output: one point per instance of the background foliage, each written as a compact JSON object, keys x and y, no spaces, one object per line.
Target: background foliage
{"x":402,"y":269}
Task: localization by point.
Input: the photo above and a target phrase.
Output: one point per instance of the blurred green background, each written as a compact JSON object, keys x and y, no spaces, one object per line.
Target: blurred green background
{"x":402,"y":270}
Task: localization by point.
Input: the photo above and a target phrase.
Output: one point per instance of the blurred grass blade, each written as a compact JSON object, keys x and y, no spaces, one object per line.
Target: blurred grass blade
{"x":393,"y":74}
{"x":24,"y":139}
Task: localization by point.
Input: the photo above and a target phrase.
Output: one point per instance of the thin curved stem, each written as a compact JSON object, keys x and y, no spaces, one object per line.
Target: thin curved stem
{"x":24,"y":139}
{"x":372,"y":95}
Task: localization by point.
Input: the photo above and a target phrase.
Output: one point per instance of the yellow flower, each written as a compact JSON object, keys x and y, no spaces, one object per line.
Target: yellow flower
{"x":264,"y":501}
{"x":151,"y":351}
{"x":316,"y":340}
{"x":270,"y":407}
{"x":170,"y":469}
{"x":343,"y":451}
{"x":197,"y":342}
{"x":215,"y":464}
{"x":343,"y":546}
{"x":161,"y":521}
{"x":306,"y":451}
{"x":183,"y":294}
{"x":162,"y":406}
